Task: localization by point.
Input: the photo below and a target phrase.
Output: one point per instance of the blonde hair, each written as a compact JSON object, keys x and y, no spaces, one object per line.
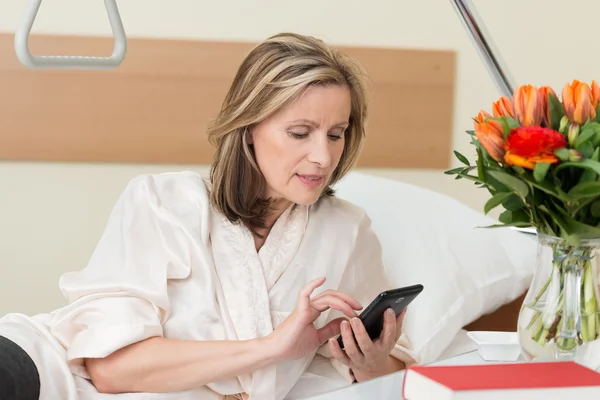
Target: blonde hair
{"x":274,"y":74}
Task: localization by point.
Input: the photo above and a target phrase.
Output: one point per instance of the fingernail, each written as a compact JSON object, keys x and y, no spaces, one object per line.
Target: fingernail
{"x":355,"y":322}
{"x":390,"y":312}
{"x":344,"y":324}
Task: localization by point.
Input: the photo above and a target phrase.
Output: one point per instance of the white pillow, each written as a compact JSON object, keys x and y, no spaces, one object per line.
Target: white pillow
{"x":432,"y":239}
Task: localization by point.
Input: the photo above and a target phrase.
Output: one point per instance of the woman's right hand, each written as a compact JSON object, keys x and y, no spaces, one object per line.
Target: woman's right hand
{"x":297,"y":335}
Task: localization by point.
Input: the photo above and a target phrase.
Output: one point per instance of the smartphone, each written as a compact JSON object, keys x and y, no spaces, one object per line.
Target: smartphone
{"x":397,"y":299}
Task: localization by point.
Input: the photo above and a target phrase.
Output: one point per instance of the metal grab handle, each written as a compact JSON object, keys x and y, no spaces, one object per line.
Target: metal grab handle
{"x":70,"y":62}
{"x":472,"y":24}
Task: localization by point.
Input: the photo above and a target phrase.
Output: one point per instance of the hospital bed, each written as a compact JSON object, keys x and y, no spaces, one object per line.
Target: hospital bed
{"x":502,"y":317}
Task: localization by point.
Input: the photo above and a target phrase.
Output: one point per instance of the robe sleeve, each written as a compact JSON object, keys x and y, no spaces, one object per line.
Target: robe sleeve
{"x":120,"y":297}
{"x":364,"y":278}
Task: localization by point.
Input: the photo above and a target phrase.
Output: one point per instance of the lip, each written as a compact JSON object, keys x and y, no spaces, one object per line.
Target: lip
{"x":311,"y":180}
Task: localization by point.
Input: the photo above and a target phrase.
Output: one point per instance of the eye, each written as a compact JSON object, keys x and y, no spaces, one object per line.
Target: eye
{"x":296,"y":135}
{"x":337,"y":134}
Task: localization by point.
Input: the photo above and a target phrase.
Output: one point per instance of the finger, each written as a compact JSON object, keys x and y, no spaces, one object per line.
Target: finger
{"x":304,"y":296}
{"x":343,"y":296}
{"x":324,"y":303}
{"x":337,"y":352}
{"x":350,"y":345}
{"x":388,"y":333}
{"x":399,"y":323}
{"x":330,"y":330}
{"x":363,"y":339}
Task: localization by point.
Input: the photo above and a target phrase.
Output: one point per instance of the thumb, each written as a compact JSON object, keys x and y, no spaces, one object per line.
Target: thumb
{"x":330,"y":330}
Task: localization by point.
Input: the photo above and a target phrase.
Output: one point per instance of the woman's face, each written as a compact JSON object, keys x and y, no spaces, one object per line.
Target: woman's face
{"x":298,"y":148}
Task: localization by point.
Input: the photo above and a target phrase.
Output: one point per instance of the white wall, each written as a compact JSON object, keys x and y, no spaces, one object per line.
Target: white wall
{"x":51,"y":215}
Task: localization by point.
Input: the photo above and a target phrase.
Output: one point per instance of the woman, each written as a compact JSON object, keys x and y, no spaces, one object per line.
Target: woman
{"x":234,"y":287}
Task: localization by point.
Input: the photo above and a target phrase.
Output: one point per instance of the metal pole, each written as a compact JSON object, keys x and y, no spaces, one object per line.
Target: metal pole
{"x":472,"y":24}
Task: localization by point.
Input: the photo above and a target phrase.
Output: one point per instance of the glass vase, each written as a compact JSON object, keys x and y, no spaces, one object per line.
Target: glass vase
{"x":560,"y":316}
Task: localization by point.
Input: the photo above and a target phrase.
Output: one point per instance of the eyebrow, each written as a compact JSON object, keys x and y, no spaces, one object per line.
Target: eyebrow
{"x":314,"y":124}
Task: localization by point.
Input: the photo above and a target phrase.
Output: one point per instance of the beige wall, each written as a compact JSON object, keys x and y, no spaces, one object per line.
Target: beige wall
{"x":51,"y":215}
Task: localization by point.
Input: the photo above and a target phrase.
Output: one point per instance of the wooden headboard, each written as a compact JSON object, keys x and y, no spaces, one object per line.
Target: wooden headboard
{"x":155,"y":107}
{"x":504,"y":318}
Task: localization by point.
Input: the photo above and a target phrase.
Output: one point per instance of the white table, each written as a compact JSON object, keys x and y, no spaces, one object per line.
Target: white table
{"x":464,"y":352}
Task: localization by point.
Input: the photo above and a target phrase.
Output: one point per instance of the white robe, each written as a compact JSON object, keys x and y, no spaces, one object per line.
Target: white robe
{"x":169,"y":265}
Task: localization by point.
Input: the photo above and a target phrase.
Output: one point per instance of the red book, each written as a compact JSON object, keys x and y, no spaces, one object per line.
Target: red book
{"x":531,"y":381}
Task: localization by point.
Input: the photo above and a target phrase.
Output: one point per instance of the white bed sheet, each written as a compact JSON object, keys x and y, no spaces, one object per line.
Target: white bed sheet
{"x":461,"y":344}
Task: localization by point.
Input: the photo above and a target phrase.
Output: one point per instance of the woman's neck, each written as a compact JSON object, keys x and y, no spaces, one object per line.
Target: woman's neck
{"x":277,"y":208}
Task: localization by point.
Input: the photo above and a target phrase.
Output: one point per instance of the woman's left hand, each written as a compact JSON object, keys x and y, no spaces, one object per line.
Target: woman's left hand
{"x":367,"y":358}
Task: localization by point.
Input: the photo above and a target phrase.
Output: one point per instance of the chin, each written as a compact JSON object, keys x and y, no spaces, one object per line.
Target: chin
{"x":302,"y":194}
{"x":305,"y":199}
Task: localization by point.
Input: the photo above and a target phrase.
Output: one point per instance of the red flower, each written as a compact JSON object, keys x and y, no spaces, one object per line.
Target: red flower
{"x":528,"y":145}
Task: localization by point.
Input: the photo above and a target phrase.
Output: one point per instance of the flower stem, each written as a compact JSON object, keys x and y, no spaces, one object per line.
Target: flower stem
{"x":566,"y":309}
{"x":589,"y":304}
{"x":535,"y":301}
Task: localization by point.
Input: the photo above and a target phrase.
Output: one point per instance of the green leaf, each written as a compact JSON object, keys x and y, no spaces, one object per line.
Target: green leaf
{"x":547,"y":227}
{"x":588,"y":164}
{"x":515,"y":224}
{"x":513,"y":203}
{"x":493,"y":182}
{"x":462,"y":158}
{"x":506,"y":217}
{"x":589,"y":175}
{"x":521,"y":216}
{"x":585,"y":189}
{"x":557,"y":111}
{"x":540,"y":171}
{"x":495,"y":201}
{"x":472,"y":178}
{"x":511,"y":217}
{"x":470,"y":132}
{"x":519,"y":170}
{"x":556,"y":217}
{"x":480,"y":171}
{"x":508,"y":124}
{"x":573,"y":230}
{"x":454,"y":171}
{"x":591,"y":124}
{"x":545,"y":186}
{"x":587,"y":149}
{"x":583,"y":137}
{"x":595,"y":209}
{"x":562,"y":154}
{"x":514,"y":183}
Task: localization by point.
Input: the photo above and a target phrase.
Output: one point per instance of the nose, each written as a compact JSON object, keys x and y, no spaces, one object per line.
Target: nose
{"x":320,"y":152}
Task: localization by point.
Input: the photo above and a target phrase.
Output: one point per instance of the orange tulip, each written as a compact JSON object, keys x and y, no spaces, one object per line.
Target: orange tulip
{"x":491,"y":135}
{"x":503,"y":108}
{"x":528,"y":105}
{"x":544,"y":92}
{"x":595,"y":93}
{"x":578,"y":100}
